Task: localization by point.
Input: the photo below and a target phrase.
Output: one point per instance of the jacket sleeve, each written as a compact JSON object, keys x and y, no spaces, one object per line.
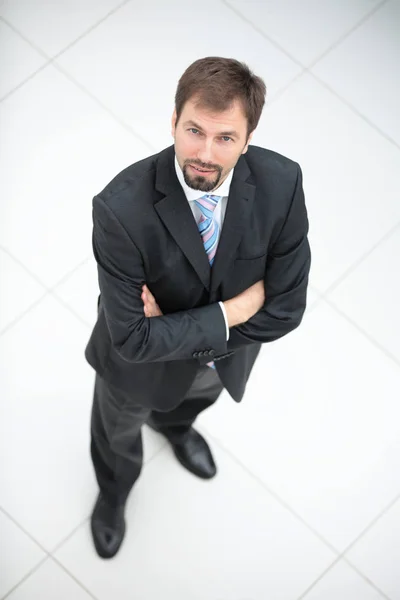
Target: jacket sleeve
{"x":136,"y":338}
{"x":286,"y":280}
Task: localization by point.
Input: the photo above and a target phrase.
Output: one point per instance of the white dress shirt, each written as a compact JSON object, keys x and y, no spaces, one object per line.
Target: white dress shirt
{"x":219,"y":212}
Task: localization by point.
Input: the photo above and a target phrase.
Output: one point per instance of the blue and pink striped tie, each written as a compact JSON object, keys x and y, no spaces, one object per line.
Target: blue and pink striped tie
{"x":209,"y":230}
{"x":208,"y":227}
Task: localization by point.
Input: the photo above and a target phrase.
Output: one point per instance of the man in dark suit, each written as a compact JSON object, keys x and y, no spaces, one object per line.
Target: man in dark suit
{"x":202,"y":256}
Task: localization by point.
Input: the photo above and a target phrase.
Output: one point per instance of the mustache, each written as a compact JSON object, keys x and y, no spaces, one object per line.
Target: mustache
{"x":205,"y":166}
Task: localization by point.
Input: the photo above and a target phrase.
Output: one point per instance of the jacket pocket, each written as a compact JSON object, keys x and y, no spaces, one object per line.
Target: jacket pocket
{"x":247,"y":271}
{"x":257,"y":256}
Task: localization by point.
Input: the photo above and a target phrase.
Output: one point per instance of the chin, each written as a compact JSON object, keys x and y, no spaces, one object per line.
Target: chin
{"x":202,"y":184}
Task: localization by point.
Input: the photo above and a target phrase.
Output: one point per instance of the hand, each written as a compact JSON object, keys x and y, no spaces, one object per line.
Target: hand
{"x":245,"y":305}
{"x":151,"y":308}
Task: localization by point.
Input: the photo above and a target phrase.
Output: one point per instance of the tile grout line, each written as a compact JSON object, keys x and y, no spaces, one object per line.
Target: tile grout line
{"x":343,"y":557}
{"x":47,"y":291}
{"x":24,"y":81}
{"x":307,"y":69}
{"x":337,"y":561}
{"x":354,"y":266}
{"x":25,"y":577}
{"x":32,"y":274}
{"x":90,"y":29}
{"x":50,"y":554}
{"x":322,"y":295}
{"x":25,"y":531}
{"x":354,"y":109}
{"x":23,"y":314}
{"x":61,"y":566}
{"x":318,"y":579}
{"x":263,"y":34}
{"x":374,"y":521}
{"x":366,"y":578}
{"x":51,"y":61}
{"x":101,"y":104}
{"x":272,"y":492}
{"x":365,"y":334}
{"x":51,"y":290}
{"x":339,"y":555}
{"x":347,"y":34}
{"x":225,"y":3}
{"x":333,"y":306}
{"x":24,"y":267}
{"x":70,"y":273}
{"x":38,"y":544}
{"x":51,"y":58}
{"x":71,"y":310}
{"x":37,"y":49}
{"x":48,"y":558}
{"x":284,"y":89}
{"x":287,"y":507}
{"x":287,"y":53}
{"x":57,"y":298}
{"x":60,"y":544}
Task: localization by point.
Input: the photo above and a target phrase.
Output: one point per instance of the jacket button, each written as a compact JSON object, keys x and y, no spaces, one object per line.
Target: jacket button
{"x":201,"y":353}
{"x":195,"y":354}
{"x":211,"y":352}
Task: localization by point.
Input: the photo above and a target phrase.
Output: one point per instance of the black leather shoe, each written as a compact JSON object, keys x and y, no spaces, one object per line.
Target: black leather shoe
{"x":108,"y":527}
{"x":195,"y":455}
{"x":192,"y":451}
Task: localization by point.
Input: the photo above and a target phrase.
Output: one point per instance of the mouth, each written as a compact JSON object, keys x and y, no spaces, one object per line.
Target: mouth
{"x":201,"y":171}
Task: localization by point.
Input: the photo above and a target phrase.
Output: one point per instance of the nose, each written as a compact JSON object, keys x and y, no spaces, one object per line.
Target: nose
{"x":205,"y":151}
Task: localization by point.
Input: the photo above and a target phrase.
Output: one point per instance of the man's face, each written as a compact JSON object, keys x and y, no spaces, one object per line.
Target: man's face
{"x":208,"y":144}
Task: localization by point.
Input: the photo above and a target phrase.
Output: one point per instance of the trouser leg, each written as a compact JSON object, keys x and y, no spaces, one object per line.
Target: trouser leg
{"x":116,"y":441}
{"x":204,"y":391}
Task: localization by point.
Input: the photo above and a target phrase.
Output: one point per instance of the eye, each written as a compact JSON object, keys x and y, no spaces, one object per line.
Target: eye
{"x":194,"y":130}
{"x":226,"y":138}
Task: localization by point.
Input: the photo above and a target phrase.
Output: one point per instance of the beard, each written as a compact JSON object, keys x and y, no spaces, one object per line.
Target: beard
{"x":201,"y":182}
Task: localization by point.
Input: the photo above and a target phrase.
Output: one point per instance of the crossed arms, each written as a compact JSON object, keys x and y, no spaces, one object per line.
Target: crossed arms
{"x":253,"y":315}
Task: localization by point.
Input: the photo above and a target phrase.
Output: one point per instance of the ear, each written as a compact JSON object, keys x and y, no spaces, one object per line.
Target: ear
{"x":247,"y":143}
{"x":173,"y":123}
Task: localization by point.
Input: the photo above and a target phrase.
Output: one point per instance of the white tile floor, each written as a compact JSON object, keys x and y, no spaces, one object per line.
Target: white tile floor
{"x":307,"y":501}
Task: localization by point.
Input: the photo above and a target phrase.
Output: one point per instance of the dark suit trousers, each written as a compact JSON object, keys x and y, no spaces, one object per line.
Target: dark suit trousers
{"x":116,"y":438}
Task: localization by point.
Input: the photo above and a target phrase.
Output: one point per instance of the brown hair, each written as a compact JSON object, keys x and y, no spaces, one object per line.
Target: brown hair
{"x":217,"y":82}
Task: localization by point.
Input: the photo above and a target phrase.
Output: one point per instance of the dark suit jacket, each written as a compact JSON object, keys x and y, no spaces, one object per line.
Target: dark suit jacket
{"x":144,"y":232}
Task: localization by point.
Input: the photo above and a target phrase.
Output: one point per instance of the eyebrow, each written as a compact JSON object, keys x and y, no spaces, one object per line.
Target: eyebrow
{"x":232,"y":133}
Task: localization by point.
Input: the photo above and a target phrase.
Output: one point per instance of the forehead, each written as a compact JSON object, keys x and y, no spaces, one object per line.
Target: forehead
{"x":233,"y":117}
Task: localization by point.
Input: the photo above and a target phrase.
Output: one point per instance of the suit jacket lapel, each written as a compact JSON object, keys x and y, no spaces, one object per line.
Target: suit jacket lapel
{"x":240,"y":203}
{"x":175,"y":212}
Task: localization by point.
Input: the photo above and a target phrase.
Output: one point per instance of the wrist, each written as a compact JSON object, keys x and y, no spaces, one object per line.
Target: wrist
{"x":233,"y":314}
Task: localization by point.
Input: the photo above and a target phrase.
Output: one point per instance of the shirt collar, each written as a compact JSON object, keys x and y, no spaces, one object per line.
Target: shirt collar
{"x":222,"y":190}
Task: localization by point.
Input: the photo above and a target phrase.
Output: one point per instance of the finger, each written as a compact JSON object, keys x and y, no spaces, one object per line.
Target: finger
{"x":148,"y":293}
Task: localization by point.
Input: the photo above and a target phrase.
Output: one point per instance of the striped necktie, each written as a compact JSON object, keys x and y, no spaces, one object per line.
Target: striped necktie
{"x":209,"y":230}
{"x":208,"y":226}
